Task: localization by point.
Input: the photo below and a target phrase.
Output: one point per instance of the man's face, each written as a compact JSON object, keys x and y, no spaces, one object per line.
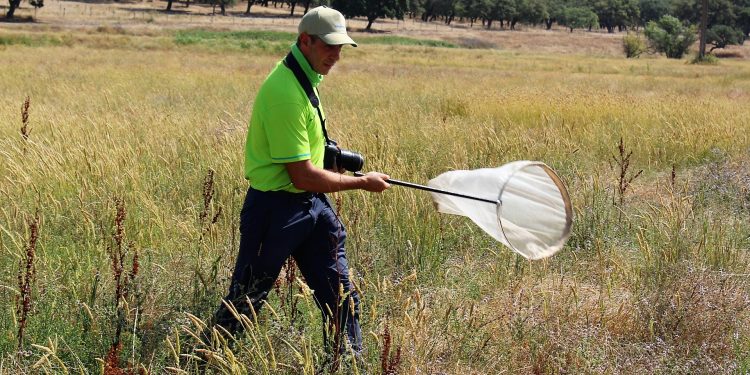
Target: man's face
{"x":321,"y":56}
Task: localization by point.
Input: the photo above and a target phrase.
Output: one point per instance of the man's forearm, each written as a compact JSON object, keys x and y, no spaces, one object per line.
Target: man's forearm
{"x":305,"y":176}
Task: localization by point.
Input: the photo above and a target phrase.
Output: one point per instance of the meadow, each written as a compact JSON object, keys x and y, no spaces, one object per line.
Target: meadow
{"x":124,"y":184}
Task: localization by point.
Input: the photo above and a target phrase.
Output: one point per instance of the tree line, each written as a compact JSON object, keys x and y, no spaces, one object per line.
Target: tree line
{"x":729,"y":18}
{"x":612,"y":15}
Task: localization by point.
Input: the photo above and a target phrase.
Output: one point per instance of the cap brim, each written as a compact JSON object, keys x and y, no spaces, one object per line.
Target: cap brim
{"x":335,"y":39}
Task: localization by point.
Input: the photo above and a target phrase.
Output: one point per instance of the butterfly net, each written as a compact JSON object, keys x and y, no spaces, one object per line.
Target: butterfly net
{"x":533,"y":215}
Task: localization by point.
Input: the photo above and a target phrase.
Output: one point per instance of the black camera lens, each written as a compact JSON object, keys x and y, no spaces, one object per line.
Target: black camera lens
{"x":351,"y":161}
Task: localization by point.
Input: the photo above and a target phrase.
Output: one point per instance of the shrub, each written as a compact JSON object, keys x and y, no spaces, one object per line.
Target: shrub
{"x":721,"y":36}
{"x":633,"y":45}
{"x":670,"y":36}
{"x":707,"y":59}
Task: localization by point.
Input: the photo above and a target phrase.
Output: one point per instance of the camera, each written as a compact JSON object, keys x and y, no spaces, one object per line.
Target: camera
{"x":336,"y":159}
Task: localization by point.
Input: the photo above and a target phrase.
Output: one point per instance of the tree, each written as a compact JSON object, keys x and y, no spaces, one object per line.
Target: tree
{"x":732,"y":13}
{"x":249,"y":4}
{"x":221,"y":3}
{"x":414,"y":8}
{"x":743,"y":17}
{"x":427,"y":9}
{"x":720,"y":36}
{"x":670,"y":36}
{"x":447,"y":9}
{"x":472,"y":9}
{"x":579,"y":18}
{"x":529,"y":11}
{"x":720,"y":12}
{"x":371,"y":9}
{"x":704,"y":25}
{"x":500,"y":10}
{"x":616,"y":13}
{"x":14,"y":4}
{"x":652,"y":10}
{"x":292,"y":5}
{"x":555,"y":10}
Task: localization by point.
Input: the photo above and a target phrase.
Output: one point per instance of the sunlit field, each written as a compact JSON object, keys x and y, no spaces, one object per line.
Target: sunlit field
{"x":125,"y":184}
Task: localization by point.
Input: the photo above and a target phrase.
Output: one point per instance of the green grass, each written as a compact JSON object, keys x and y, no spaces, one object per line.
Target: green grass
{"x":248,"y":38}
{"x":34,"y":40}
{"x":197,"y":36}
{"x":404,"y":41}
{"x":656,"y":285}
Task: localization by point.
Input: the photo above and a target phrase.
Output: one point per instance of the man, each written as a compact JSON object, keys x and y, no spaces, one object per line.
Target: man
{"x":286,"y":212}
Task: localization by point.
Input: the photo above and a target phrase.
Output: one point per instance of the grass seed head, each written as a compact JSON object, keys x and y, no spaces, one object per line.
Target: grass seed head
{"x":25,"y":131}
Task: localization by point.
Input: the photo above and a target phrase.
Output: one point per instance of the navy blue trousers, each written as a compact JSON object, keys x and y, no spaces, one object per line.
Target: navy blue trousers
{"x":277,"y":225}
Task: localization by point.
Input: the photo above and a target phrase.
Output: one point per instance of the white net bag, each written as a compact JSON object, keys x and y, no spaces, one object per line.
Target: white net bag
{"x":533,"y":215}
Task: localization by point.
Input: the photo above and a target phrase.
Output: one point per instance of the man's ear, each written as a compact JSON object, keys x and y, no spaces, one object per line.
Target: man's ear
{"x":306,"y":39}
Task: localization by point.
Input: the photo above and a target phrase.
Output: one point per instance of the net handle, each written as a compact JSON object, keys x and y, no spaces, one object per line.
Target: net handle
{"x":434,"y":190}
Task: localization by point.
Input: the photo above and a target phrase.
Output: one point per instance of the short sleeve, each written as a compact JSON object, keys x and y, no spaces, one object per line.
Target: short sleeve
{"x":286,"y":130}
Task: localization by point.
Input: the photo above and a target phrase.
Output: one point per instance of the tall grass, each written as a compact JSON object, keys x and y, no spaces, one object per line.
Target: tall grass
{"x":655,"y":284}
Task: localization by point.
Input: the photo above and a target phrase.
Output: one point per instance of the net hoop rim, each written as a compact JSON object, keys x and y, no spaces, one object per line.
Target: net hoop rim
{"x":565,"y":234}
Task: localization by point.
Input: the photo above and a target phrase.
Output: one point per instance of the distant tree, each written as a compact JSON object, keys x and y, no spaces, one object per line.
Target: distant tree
{"x":529,"y":11}
{"x":13,"y":5}
{"x":616,"y":13}
{"x":555,"y":10}
{"x":720,"y":12}
{"x":307,"y":5}
{"x":652,"y":10}
{"x":500,"y":10}
{"x":579,"y":18}
{"x":743,"y":16}
{"x":721,"y":36}
{"x":703,"y":26}
{"x":447,"y":9}
{"x":371,"y":9}
{"x":222,"y":4}
{"x":169,"y":5}
{"x":733,"y":13}
{"x":670,"y":36}
{"x":472,"y":10}
{"x":293,"y":5}
{"x":429,"y":8}
{"x":249,"y":4}
{"x":414,"y":8}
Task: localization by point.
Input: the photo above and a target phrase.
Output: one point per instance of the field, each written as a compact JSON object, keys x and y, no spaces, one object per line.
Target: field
{"x":125,"y":185}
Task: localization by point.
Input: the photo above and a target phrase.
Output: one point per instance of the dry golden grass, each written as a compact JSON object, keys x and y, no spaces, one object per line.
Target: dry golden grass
{"x":658,"y":285}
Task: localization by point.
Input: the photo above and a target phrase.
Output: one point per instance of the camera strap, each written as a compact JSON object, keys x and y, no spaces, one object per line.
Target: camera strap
{"x":294,"y":66}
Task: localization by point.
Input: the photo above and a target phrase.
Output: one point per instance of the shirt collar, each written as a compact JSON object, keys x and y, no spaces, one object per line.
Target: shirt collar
{"x":311,"y":74}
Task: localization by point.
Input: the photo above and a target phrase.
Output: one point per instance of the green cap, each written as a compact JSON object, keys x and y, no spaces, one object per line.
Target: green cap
{"x":327,"y":24}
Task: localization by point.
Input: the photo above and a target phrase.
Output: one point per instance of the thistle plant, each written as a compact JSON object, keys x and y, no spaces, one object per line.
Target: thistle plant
{"x":26,"y":276}
{"x":622,"y":161}
{"x":390,"y":360}
{"x":123,"y":280}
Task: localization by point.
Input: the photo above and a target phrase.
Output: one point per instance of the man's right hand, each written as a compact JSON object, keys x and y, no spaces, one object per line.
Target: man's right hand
{"x":375,"y":182}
